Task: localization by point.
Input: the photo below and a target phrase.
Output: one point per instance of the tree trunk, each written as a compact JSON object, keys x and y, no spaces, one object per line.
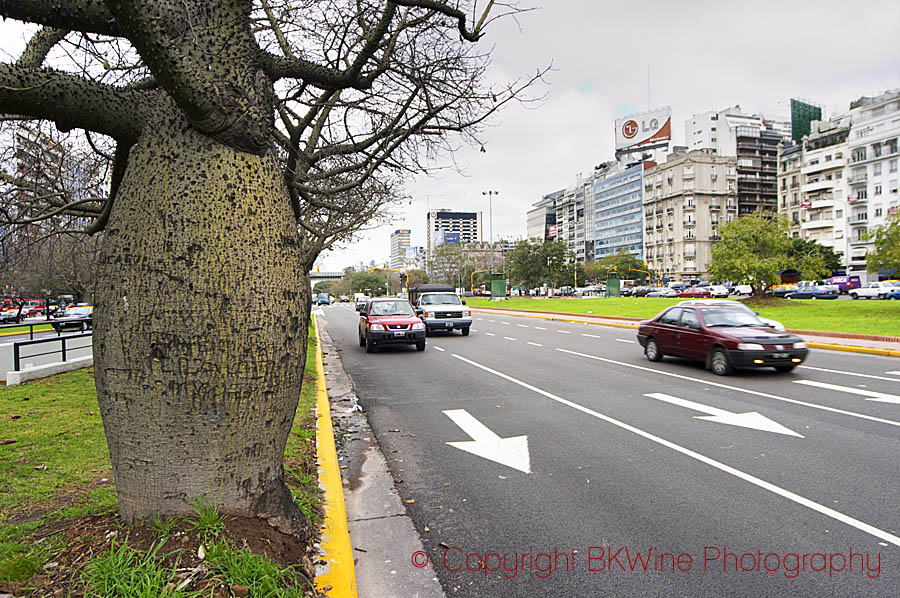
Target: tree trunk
{"x":200,"y":328}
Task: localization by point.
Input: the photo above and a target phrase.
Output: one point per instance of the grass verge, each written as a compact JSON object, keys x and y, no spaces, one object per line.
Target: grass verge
{"x":59,"y":530}
{"x":861,"y":317}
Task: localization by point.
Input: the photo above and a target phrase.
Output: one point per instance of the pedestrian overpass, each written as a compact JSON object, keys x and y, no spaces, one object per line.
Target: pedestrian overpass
{"x":315,"y":277}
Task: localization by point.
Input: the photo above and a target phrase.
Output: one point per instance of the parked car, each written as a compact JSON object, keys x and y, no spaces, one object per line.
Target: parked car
{"x":825,"y":291}
{"x":694,"y":292}
{"x":74,"y":318}
{"x":768,"y":322}
{"x":641,"y":291}
{"x":742,"y":289}
{"x":845,"y":283}
{"x":725,"y":337}
{"x":895,"y":294}
{"x":873,"y":290}
{"x":717,"y":291}
{"x":390,"y":321}
{"x":780,"y":290}
{"x":361,"y":302}
{"x":344,"y":299}
{"x":662,"y":292}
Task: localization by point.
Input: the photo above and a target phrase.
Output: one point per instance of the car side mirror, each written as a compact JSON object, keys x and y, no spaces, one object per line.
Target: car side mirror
{"x":419,"y":311}
{"x":463,"y":302}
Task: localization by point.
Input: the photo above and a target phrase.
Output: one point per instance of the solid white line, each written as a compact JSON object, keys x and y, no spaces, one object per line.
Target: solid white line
{"x":535,"y":344}
{"x":737,"y":388}
{"x":521,"y":325}
{"x":439,"y":349}
{"x":564,"y":331}
{"x":865,"y":527}
{"x":625,"y":340}
{"x":509,"y":338}
{"x":539,"y":328}
{"x":809,"y":367}
{"x":489,"y":334}
{"x":591,"y":335}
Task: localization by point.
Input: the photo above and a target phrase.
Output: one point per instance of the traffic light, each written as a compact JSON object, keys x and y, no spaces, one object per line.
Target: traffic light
{"x":371,"y":268}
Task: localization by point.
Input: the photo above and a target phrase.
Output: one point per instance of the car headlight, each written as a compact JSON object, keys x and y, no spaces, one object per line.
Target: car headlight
{"x":750,"y":347}
{"x":426,"y":314}
{"x":418,"y":326}
{"x":800,"y":345}
{"x":376,"y":327}
{"x":466,"y":314}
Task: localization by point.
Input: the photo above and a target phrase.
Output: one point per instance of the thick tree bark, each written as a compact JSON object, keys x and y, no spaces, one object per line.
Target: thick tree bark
{"x":200,"y":330}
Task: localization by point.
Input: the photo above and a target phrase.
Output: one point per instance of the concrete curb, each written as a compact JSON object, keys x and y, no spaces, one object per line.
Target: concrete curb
{"x":42,"y":371}
{"x":593,"y":321}
{"x":338,"y":579}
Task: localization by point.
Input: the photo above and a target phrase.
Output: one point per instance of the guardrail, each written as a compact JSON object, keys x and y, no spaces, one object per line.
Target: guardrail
{"x":64,"y":340}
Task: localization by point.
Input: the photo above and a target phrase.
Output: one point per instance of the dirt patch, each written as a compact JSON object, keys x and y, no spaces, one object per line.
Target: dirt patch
{"x":178,"y":550}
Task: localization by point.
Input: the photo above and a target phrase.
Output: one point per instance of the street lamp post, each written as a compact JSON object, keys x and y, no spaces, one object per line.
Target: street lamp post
{"x":491,"y":195}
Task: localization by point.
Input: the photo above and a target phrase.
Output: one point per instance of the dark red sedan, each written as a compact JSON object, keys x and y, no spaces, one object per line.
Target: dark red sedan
{"x":390,"y":322}
{"x":726,"y":338}
{"x":694,"y":292}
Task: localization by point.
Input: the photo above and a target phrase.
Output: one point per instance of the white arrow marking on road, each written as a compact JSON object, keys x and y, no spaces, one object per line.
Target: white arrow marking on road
{"x":751,"y":419}
{"x":318,"y":312}
{"x":512,"y":452}
{"x":872,"y":395}
{"x":894,"y":372}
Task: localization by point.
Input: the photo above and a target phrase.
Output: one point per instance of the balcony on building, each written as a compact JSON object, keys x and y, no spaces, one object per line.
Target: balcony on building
{"x":858,"y":179}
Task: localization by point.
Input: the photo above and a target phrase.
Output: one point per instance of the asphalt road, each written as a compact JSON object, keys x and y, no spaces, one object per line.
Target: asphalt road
{"x":612,"y":472}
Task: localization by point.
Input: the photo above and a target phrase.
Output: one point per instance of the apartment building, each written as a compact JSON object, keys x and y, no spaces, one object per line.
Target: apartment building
{"x":618,"y":210}
{"x":790,"y":157}
{"x":872,"y":170}
{"x":399,"y":247}
{"x":541,"y":221}
{"x":753,"y":140}
{"x":465,"y":225}
{"x":685,"y":201}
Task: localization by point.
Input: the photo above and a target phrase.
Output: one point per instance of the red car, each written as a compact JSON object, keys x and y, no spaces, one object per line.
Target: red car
{"x":390,"y":321}
{"x":725,"y":337}
{"x":694,"y":292}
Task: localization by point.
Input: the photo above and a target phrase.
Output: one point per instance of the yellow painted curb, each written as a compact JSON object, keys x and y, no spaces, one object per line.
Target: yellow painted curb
{"x":855,"y":349}
{"x":26,"y":332}
{"x":340,"y":576}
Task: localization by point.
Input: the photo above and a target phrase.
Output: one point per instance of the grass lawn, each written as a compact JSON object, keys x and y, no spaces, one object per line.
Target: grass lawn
{"x":863,"y":316}
{"x":23,"y":329}
{"x":57,"y":486}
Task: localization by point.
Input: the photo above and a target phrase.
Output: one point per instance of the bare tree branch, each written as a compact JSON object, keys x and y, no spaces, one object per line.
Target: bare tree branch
{"x":40,"y":45}
{"x":81,"y":15}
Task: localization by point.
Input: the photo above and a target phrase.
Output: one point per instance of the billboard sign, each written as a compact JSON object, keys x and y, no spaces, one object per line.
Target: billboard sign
{"x":410,"y":253}
{"x":646,"y":128}
{"x":442,"y":237}
{"x":451,"y":237}
{"x":551,"y":231}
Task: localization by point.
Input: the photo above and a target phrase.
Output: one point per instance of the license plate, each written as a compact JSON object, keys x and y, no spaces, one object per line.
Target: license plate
{"x":779,"y":355}
{"x":449,"y":324}
{"x":399,"y":333}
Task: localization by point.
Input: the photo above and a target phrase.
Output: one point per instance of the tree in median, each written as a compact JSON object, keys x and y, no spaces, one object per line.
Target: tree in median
{"x":754,"y":248}
{"x":625,"y":263}
{"x":236,"y":125}
{"x":886,"y":256}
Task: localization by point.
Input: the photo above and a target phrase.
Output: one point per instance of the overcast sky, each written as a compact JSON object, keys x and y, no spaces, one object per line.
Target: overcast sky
{"x":700,"y":54}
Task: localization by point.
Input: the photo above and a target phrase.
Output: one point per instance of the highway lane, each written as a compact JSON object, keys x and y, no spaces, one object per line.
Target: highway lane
{"x":593,"y":483}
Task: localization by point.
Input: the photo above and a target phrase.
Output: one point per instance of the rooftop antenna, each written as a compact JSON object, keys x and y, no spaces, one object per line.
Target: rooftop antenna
{"x":648,"y":86}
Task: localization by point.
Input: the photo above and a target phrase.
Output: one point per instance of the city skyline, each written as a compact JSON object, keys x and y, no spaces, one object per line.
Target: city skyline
{"x":530,"y":152}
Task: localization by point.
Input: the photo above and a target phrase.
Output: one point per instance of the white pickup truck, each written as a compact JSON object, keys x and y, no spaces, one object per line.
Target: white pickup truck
{"x":874,"y":290}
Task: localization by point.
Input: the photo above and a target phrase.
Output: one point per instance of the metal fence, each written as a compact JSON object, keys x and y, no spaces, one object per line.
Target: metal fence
{"x":65,"y":347}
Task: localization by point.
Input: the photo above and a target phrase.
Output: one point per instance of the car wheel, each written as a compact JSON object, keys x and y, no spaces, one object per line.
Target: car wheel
{"x":652,"y":350}
{"x":370,"y":345}
{"x":813,"y":297}
{"x":894,"y":298}
{"x":784,"y":369}
{"x":465,"y":331}
{"x":854,"y":295}
{"x":718,"y":363}
{"x":362,"y":341}
{"x":420,"y":346}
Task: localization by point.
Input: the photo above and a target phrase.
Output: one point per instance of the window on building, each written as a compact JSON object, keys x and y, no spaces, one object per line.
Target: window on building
{"x":892,"y":146}
{"x":839,"y":213}
{"x":876,"y":150}
{"x":689,"y":201}
{"x":731,"y":185}
{"x":859,"y":154}
{"x":877,"y":212}
{"x":863,"y":194}
{"x":689,"y":184}
{"x":731,"y":171}
{"x":877,"y":190}
{"x":892,"y":166}
{"x":828,"y":158}
{"x":876,"y":169}
{"x":813,"y":162}
{"x":838,"y":175}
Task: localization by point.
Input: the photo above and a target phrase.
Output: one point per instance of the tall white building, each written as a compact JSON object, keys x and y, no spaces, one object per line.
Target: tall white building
{"x":873,"y":173}
{"x":399,"y":246}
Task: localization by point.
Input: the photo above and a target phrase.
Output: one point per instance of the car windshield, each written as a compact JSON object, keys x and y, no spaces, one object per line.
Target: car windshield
{"x":444,"y":299}
{"x":729,"y":317}
{"x":78,"y":311}
{"x":391,"y":308}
